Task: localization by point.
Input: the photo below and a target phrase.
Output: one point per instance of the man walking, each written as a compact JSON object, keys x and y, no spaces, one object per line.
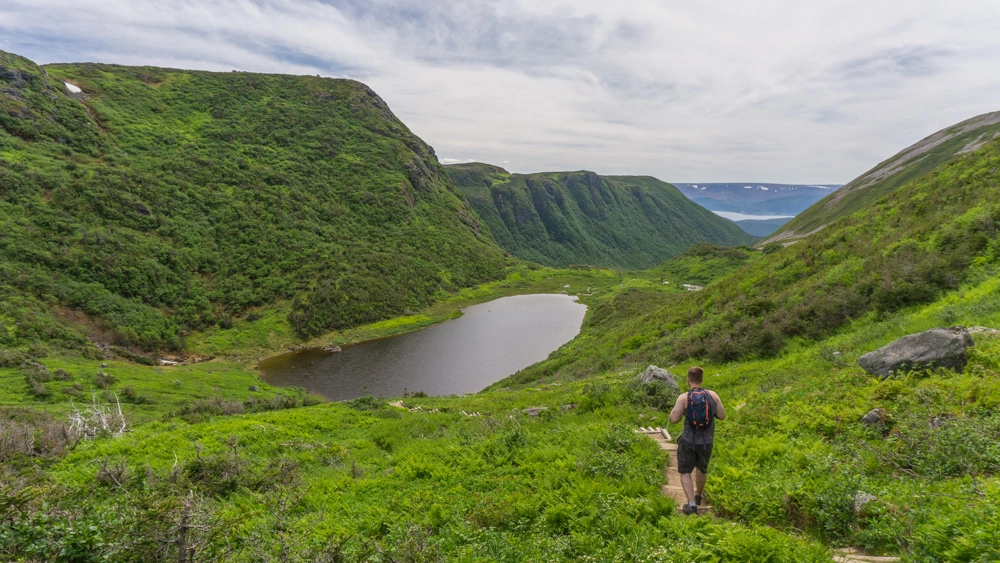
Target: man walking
{"x":699,"y":408}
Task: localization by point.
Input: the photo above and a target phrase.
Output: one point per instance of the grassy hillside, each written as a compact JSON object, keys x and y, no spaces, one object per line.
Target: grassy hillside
{"x":564,"y":218}
{"x":908,"y":248}
{"x":160,"y":202}
{"x":907,"y":166}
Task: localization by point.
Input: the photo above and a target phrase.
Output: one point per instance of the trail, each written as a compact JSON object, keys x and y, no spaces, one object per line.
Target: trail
{"x":674,"y":490}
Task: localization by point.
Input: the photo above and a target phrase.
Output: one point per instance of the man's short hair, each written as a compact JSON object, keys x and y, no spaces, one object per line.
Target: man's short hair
{"x":696,"y":375}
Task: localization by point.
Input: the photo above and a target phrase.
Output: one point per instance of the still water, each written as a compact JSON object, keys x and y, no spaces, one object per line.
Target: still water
{"x":486,"y":344}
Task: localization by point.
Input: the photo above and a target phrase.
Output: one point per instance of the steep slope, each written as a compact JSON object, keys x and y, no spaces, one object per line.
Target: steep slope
{"x":160,"y":201}
{"x":565,"y":218}
{"x":908,"y":165}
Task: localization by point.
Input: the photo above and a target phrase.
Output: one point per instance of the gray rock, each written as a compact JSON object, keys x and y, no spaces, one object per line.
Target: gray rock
{"x":253,"y":388}
{"x":568,"y":407}
{"x":938,"y":347}
{"x":874,"y":417}
{"x":983,"y":330}
{"x":653,"y":374}
{"x":332,"y":349}
{"x":861,"y":500}
{"x":535,"y":411}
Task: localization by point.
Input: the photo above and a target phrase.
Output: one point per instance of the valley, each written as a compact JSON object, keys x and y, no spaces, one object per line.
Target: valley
{"x":218,"y":219}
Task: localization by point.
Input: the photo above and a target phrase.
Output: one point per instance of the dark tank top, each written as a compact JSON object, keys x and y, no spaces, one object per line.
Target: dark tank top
{"x":703,"y":435}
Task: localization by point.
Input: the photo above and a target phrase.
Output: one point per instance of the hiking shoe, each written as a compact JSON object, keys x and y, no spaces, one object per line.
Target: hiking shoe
{"x":689,"y":509}
{"x":697,"y":500}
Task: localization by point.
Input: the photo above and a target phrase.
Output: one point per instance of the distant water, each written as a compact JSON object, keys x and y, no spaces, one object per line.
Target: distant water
{"x":487,"y":343}
{"x":733,"y":216}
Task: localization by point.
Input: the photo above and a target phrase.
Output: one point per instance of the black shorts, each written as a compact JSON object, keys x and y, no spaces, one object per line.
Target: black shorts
{"x":690,"y":456}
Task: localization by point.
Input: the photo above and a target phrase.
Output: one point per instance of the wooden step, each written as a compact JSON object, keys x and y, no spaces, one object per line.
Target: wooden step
{"x":855,"y":555}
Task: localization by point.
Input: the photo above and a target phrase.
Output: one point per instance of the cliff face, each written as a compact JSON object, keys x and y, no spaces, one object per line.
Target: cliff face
{"x":567,"y":218}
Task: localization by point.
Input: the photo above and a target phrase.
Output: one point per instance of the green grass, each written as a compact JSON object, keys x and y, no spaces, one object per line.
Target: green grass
{"x":381,"y":482}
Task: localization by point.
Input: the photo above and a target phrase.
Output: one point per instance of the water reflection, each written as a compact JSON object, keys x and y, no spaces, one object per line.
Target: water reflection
{"x":489,"y":342}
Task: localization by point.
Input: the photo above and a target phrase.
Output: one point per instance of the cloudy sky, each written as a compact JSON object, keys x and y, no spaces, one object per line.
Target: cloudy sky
{"x":727,"y":90}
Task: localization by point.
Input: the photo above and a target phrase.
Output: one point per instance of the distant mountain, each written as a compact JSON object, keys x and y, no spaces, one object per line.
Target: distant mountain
{"x":754,"y":198}
{"x":563,"y":218}
{"x":146,"y":203}
{"x":909,"y":164}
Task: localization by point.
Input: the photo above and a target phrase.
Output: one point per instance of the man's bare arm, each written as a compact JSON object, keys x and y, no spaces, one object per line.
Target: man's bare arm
{"x":678,"y":413}
{"x":720,"y":411}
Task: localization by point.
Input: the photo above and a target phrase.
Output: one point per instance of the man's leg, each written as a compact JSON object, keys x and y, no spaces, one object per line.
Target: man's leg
{"x":689,"y":487}
{"x":699,"y":483}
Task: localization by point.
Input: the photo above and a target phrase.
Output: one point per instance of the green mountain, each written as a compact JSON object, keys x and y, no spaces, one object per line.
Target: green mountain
{"x":909,"y":165}
{"x":157,"y":202}
{"x":564,"y":218}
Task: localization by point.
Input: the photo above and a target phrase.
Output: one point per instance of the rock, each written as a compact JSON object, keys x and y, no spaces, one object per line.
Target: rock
{"x":939,"y":421}
{"x":983,"y":330}
{"x":874,"y":416}
{"x":938,"y":347}
{"x":535,"y":411}
{"x":861,"y":500}
{"x":142,"y":210}
{"x":104,"y":365}
{"x":568,"y":407}
{"x":654,"y":374}
{"x":331,"y":349}
{"x":253,"y":388}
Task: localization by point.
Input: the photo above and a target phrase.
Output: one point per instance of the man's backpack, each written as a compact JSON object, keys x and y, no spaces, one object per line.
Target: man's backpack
{"x":699,"y":412}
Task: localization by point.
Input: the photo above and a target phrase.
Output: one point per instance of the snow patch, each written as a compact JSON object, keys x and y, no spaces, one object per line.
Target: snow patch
{"x":73,"y":88}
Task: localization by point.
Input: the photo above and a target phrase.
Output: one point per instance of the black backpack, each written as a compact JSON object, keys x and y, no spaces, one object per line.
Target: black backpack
{"x":699,"y":409}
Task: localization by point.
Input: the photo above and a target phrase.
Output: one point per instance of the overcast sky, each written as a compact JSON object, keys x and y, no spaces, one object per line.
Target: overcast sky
{"x":727,"y":90}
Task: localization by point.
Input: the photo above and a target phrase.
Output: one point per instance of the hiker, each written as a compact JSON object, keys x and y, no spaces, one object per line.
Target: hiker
{"x":699,"y":408}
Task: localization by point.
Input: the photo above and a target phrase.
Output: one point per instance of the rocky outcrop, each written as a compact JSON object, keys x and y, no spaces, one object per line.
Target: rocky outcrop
{"x":935,"y":348}
{"x":653,"y":374}
{"x":874,"y":416}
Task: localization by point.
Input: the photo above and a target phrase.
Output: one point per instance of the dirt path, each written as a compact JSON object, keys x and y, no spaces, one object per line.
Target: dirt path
{"x":674,"y":490}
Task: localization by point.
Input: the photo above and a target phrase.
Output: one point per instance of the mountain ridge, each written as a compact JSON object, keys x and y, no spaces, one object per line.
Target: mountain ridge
{"x":564,"y":218}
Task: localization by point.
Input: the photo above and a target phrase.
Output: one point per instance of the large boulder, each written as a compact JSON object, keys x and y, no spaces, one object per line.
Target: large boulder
{"x":935,"y":348}
{"x":654,"y":374}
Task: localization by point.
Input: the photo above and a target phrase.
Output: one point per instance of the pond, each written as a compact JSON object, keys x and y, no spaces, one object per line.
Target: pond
{"x":489,"y":342}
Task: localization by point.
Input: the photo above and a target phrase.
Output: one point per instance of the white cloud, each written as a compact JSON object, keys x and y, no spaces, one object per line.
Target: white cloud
{"x":777,"y":91}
